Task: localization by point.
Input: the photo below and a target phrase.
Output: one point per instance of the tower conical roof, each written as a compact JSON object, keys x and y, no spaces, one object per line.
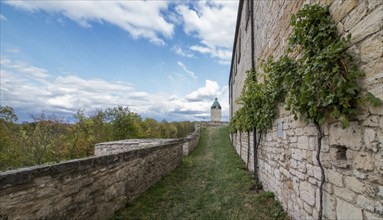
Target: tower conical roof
{"x":216,"y":104}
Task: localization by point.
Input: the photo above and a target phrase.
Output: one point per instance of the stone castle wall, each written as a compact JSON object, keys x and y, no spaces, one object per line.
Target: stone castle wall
{"x":114,"y":147}
{"x":212,"y":123}
{"x":352,"y":157}
{"x":191,"y":142}
{"x":94,"y":187}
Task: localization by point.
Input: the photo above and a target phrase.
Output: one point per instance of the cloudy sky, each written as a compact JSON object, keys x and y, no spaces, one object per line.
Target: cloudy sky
{"x":162,"y":59}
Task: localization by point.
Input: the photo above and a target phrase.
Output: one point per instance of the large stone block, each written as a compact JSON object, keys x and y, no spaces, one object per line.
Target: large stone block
{"x":307,"y":193}
{"x":366,"y":203}
{"x":341,"y":10}
{"x":313,"y":142}
{"x":298,"y":154}
{"x":325,"y":144}
{"x":303,"y":142}
{"x":317,"y":172}
{"x":345,"y":194}
{"x":335,"y":5}
{"x":370,"y":50}
{"x":349,"y":137}
{"x":298,"y":165}
{"x":310,"y":131}
{"x":354,"y":184}
{"x":364,"y":162}
{"x":370,"y":24}
{"x":355,"y":16}
{"x":313,"y":181}
{"x":370,"y":139}
{"x":360,"y":187}
{"x":299,"y":131}
{"x":372,"y":70}
{"x":347,"y":211}
{"x":285,"y":173}
{"x":297,"y":174}
{"x":329,"y":207}
{"x":334,"y":178}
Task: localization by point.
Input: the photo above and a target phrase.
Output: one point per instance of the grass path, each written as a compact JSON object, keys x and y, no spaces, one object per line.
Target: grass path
{"x":211,"y":183}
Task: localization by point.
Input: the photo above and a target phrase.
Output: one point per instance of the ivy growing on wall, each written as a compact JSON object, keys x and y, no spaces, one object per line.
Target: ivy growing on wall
{"x":315,"y":78}
{"x":260,"y":98}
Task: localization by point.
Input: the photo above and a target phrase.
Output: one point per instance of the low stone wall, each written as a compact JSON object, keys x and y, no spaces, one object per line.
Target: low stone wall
{"x":212,"y":123}
{"x":191,"y":142}
{"x":94,"y":187}
{"x":114,"y":147}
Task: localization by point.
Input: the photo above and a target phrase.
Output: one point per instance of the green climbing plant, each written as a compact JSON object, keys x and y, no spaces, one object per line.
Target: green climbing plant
{"x":325,"y":79}
{"x":260,"y":98}
{"x":315,"y":78}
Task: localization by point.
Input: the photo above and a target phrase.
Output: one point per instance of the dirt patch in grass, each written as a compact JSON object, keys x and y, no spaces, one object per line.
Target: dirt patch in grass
{"x":209,"y":184}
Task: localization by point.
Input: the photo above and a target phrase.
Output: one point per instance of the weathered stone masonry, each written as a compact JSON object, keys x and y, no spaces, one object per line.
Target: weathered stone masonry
{"x":94,"y":187}
{"x":352,"y":157}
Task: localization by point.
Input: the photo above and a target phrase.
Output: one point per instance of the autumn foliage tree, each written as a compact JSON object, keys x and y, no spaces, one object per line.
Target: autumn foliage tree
{"x":49,"y":139}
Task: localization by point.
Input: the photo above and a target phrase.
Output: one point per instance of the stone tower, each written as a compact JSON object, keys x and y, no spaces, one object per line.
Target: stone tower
{"x":215,"y":111}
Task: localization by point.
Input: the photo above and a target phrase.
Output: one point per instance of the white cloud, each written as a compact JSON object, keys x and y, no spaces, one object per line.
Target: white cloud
{"x":224,"y":55}
{"x":2,"y":18}
{"x":209,"y":91}
{"x":203,"y":97}
{"x":65,"y":94}
{"x":142,"y":19}
{"x":191,"y":73}
{"x":28,"y":71}
{"x":179,"y":51}
{"x":204,"y":21}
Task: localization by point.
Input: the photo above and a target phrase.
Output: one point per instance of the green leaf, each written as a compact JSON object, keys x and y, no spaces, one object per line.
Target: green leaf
{"x":344,"y":121}
{"x":375,"y":101}
{"x":335,"y":113}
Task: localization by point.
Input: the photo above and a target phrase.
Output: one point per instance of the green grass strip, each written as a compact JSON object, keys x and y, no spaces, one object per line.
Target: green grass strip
{"x":211,"y":183}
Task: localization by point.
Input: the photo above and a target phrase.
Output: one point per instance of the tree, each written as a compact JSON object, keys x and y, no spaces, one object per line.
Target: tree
{"x":37,"y":137}
{"x":50,"y":139}
{"x":150,"y":128}
{"x":86,"y":139}
{"x":7,"y":114}
{"x":173,"y":132}
{"x":164,"y":129}
{"x":10,"y":153}
{"x":126,"y":124}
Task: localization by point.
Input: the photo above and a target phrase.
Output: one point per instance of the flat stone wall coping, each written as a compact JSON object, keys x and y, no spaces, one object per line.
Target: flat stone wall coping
{"x":114,"y":147}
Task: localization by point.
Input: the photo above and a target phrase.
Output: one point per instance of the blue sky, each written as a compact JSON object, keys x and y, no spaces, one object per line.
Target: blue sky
{"x":162,"y":59}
